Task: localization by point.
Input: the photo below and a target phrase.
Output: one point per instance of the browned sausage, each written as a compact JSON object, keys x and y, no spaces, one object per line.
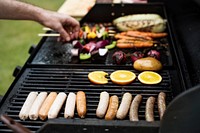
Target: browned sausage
{"x":124,"y":106}
{"x":161,"y":104}
{"x":81,"y":104}
{"x":149,"y":111}
{"x":112,"y":108}
{"x":43,"y":112}
{"x":133,"y":112}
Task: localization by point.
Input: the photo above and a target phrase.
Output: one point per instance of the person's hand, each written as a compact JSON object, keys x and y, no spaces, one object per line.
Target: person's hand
{"x":67,"y":26}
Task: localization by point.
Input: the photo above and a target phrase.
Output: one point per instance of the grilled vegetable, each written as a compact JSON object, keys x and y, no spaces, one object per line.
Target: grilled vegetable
{"x":146,"y":35}
{"x":111,"y":46}
{"x":133,"y":44}
{"x":154,"y":54}
{"x":89,"y":47}
{"x":141,"y":22}
{"x":84,"y":56}
{"x":101,"y":44}
{"x":147,"y":63}
{"x":136,"y":55}
{"x":77,"y":44}
{"x":119,"y":57}
{"x":103,"y":51}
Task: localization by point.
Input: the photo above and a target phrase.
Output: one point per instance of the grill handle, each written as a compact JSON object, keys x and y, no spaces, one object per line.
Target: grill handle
{"x":31,"y":49}
{"x":16,"y":71}
{"x":15,"y":126}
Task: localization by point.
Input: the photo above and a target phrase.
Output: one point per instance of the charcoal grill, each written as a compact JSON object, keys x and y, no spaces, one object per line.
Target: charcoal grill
{"x":41,"y":73}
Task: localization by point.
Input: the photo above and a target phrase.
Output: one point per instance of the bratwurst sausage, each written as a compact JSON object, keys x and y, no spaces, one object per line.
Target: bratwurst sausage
{"x":133,"y":112}
{"x":43,"y":112}
{"x":124,"y":106}
{"x":81,"y":104}
{"x":112,"y":108}
{"x":23,"y":114}
{"x":149,"y":114}
{"x":33,"y":114}
{"x":70,"y":105}
{"x":57,"y":105}
{"x":103,"y":104}
{"x":161,"y":104}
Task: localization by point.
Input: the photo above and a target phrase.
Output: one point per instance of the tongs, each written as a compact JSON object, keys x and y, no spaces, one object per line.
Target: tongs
{"x":15,"y":126}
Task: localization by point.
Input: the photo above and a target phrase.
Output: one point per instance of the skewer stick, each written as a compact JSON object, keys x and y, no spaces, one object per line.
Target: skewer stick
{"x":47,"y":29}
{"x":53,"y":35}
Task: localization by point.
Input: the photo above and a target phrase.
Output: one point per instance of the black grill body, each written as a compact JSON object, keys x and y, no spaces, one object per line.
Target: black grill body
{"x":46,"y":70}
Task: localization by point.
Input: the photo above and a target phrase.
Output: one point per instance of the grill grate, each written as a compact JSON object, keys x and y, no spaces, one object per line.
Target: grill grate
{"x":73,"y":80}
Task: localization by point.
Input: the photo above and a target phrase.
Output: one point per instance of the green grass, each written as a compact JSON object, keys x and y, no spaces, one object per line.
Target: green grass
{"x":16,"y":37}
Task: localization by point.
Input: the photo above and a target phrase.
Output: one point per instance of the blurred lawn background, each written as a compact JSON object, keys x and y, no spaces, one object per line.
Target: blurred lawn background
{"x":16,"y":37}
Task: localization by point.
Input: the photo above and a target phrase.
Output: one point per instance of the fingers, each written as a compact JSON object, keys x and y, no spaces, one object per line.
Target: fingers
{"x":69,"y":32}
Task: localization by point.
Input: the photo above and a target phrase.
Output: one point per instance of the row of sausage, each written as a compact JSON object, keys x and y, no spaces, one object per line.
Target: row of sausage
{"x":46,"y":106}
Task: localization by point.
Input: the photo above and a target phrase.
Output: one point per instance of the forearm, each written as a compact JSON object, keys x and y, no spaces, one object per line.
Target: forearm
{"x":12,"y":9}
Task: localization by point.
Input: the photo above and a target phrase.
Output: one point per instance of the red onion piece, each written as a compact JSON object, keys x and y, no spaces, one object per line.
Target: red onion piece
{"x":154,"y":54}
{"x":119,"y":57}
{"x":136,"y":55}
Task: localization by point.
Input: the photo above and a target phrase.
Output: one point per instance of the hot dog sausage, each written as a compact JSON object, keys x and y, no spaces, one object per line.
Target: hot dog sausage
{"x":149,"y":114}
{"x":133,"y":113}
{"x":112,"y":108}
{"x":161,"y":104}
{"x":70,"y":105}
{"x":23,"y":115}
{"x":33,"y":114}
{"x":124,"y":106}
{"x":43,"y":112}
{"x":103,"y":104}
{"x":81,"y":104}
{"x":57,"y":105}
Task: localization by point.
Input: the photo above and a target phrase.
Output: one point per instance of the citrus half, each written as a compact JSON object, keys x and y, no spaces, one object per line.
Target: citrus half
{"x":122,"y":77}
{"x":98,"y":77}
{"x":149,"y":77}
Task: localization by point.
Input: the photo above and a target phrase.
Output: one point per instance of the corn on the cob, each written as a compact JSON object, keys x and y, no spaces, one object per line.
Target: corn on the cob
{"x":141,"y":22}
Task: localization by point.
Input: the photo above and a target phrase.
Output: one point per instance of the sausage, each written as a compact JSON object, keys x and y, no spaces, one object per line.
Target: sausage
{"x":112,"y":108}
{"x":43,"y":112}
{"x":149,"y":114}
{"x":133,"y":112}
{"x":23,"y":114}
{"x":57,"y":105}
{"x":70,"y":105}
{"x":81,"y":104}
{"x":124,"y":106}
{"x":161,"y":104}
{"x":33,"y":114}
{"x":103,"y":104}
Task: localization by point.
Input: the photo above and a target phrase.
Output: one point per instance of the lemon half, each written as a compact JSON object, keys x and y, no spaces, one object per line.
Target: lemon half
{"x":149,"y":77}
